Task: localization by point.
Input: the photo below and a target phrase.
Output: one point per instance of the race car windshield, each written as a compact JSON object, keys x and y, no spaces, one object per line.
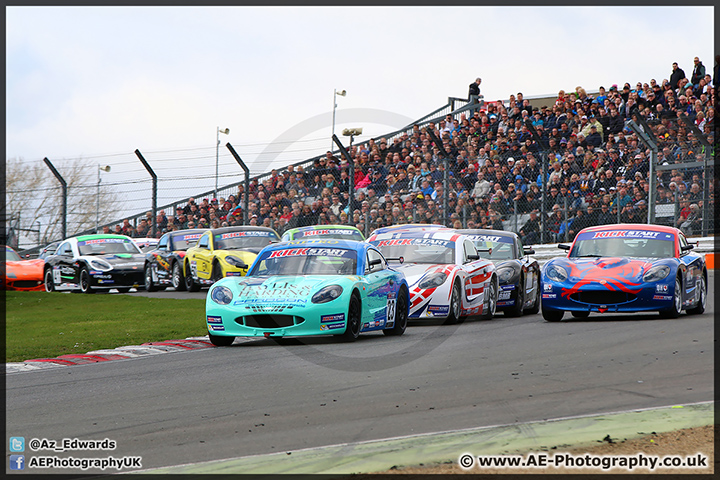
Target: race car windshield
{"x":11,"y":256}
{"x":336,"y":234}
{"x":104,"y":246}
{"x":241,"y":240}
{"x":418,"y":250}
{"x":306,"y":261}
{"x":624,"y":244}
{"x":184,"y":241}
{"x":501,"y":248}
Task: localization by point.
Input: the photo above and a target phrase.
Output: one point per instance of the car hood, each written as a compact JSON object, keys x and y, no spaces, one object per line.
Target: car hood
{"x":282,"y":287}
{"x":33,"y":268}
{"x":119,"y":260}
{"x":415,"y":271}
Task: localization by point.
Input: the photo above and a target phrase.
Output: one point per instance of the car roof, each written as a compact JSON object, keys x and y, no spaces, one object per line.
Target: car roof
{"x":484,"y":231}
{"x":320,"y":242}
{"x":323,"y":227}
{"x":440,"y":234}
{"x":240,"y":228}
{"x":632,"y":226}
{"x":82,"y":238}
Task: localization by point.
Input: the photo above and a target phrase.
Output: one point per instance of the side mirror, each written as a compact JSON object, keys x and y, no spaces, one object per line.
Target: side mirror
{"x":528,"y":251}
{"x":473,"y":257}
{"x":687,"y":247}
{"x":374,"y":261}
{"x":563,"y":246}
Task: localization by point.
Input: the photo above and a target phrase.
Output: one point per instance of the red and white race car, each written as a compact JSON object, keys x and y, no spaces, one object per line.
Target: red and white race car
{"x":446,"y":276}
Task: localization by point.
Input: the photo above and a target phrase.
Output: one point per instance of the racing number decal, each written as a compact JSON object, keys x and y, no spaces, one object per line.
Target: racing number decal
{"x":153,"y":272}
{"x":57,"y":279}
{"x":390,"y":311}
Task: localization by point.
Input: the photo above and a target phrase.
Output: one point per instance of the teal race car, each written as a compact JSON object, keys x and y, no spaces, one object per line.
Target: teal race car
{"x":341,"y":232}
{"x":309,"y":287}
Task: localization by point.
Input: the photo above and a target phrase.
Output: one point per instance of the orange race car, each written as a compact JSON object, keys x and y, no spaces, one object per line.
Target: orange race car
{"x":26,"y":275}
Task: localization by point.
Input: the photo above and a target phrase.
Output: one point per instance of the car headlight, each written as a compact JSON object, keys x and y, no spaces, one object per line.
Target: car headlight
{"x":556,"y":273}
{"x":221,"y":295}
{"x":505,"y":274}
{"x":101,"y":265}
{"x":656,"y":273}
{"x":433,"y":280}
{"x":327,"y":294}
{"x":235,"y":261}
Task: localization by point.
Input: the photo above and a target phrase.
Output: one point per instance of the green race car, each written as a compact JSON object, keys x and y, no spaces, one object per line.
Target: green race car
{"x":340,"y":232}
{"x":309,"y":287}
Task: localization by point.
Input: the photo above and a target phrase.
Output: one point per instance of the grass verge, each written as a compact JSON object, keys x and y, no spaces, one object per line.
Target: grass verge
{"x":42,"y":325}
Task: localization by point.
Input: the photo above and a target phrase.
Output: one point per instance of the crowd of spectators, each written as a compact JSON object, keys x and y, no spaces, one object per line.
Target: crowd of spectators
{"x":595,"y":166}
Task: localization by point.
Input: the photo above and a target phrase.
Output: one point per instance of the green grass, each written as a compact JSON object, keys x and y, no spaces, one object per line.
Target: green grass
{"x":44,"y":325}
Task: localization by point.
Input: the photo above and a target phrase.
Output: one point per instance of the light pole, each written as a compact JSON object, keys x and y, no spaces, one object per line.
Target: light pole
{"x":217,"y":157}
{"x":106,"y":168}
{"x":342,"y":94}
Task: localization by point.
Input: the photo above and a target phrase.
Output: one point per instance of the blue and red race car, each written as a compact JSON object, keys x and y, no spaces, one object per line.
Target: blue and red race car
{"x":625,"y":268}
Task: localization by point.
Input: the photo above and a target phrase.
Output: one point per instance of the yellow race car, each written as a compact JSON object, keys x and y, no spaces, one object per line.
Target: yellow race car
{"x":224,"y":252}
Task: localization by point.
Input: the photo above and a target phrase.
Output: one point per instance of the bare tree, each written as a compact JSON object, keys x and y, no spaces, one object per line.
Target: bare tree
{"x":34,"y":197}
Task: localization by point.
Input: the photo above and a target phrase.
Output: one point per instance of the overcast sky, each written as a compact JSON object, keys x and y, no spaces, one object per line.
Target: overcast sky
{"x":97,"y":81}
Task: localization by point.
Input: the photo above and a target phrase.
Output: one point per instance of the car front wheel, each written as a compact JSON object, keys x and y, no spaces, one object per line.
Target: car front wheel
{"x":49,"y":284}
{"x":178,"y":280}
{"x":676,"y":308}
{"x":85,"y":281}
{"x":354,"y":320}
{"x":149,"y":284}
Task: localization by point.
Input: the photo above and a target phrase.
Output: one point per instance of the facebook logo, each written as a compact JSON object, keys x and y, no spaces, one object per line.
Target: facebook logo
{"x":17,"y":462}
{"x":17,"y":444}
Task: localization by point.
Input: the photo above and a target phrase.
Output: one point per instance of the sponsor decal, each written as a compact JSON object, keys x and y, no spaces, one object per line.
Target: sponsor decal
{"x":311,"y":233}
{"x":213,"y":319}
{"x":189,"y":236}
{"x":439,"y":310}
{"x":504,"y":295}
{"x":94,"y":272}
{"x":233,"y":274}
{"x":338,"y":317}
{"x":105,"y":280}
{"x":394,"y":243}
{"x":100,"y":276}
{"x":366,"y":325}
{"x":322,"y":241}
{"x":381,"y":322}
{"x":489,"y":238}
{"x":506,"y":303}
{"x":626,"y":234}
{"x":244,"y":234}
{"x":661,"y":288}
{"x":507,"y":287}
{"x":332,"y":326}
{"x":102,"y":240}
{"x":549,"y":295}
{"x":296,"y":302}
{"x":303,"y":252}
{"x":217,"y":328}
{"x":662,"y":297}
{"x":547,"y":287}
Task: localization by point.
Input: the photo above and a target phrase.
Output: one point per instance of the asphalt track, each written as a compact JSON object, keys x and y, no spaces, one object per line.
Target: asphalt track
{"x":259,"y":397}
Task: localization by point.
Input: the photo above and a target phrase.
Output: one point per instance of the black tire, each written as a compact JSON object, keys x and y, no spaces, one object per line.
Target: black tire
{"x":580,"y":314}
{"x":178,"y":279}
{"x":85,"y":281}
{"x":401,"y":315}
{"x":536,"y":306}
{"x":492,"y":300}
{"x":149,"y":284}
{"x":190,"y":284}
{"x":49,"y":284}
{"x":700,"y":307}
{"x":552,"y":315}
{"x":455,"y":305}
{"x":676,"y":308}
{"x":216,"y":272}
{"x":517,"y":309}
{"x":354,"y":319}
{"x":220,"y":341}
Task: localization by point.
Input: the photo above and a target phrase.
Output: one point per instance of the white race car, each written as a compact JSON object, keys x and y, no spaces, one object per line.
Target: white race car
{"x":446,"y":276}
